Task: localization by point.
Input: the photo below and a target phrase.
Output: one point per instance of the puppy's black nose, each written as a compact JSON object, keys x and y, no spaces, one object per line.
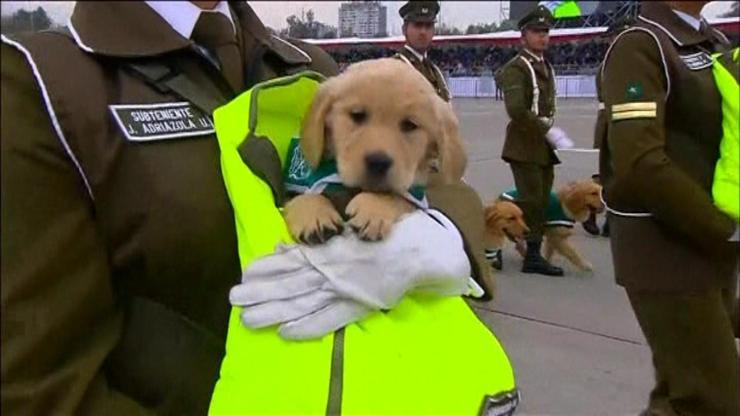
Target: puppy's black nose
{"x":378,"y":163}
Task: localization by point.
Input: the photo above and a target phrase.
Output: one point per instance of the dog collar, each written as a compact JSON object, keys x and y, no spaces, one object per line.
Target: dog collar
{"x":300,"y":178}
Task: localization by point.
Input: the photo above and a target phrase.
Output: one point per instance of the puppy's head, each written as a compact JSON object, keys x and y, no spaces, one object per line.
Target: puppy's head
{"x":581,"y":198}
{"x":505,"y":218}
{"x":385,"y":126}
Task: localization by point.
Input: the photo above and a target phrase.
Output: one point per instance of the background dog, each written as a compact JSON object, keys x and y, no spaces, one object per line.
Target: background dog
{"x":504,"y":220}
{"x":387,"y":130}
{"x":578,"y":200}
{"x":572,"y":202}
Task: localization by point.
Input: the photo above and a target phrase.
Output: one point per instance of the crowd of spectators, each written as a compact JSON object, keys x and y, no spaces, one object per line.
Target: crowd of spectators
{"x":463,"y":60}
{"x":575,"y":57}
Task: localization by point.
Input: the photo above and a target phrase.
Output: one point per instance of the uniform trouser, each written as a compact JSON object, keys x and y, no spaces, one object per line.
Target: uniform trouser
{"x":533,"y":184}
{"x":697,"y":370}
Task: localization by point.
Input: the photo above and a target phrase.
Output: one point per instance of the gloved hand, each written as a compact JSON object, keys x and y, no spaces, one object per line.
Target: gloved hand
{"x":558,"y":139}
{"x":315,"y":290}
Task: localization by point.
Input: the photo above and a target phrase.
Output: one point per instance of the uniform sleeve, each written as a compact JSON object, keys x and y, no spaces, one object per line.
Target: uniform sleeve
{"x":513,"y":83}
{"x":600,"y":125}
{"x":58,"y":318}
{"x":635,"y":88}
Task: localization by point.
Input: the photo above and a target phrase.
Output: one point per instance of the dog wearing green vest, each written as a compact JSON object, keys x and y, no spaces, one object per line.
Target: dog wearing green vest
{"x":572,"y":202}
{"x":373,"y":137}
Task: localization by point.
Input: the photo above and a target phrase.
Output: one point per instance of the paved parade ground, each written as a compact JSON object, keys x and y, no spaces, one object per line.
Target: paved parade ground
{"x":574,"y":341}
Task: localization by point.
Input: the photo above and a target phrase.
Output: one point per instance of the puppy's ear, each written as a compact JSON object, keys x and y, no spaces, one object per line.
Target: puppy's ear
{"x":313,"y":136}
{"x":492,"y":214}
{"x":451,"y":149}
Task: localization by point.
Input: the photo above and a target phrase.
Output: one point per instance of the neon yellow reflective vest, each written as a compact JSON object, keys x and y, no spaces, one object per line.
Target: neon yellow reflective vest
{"x":428,"y":356}
{"x":726,"y":186}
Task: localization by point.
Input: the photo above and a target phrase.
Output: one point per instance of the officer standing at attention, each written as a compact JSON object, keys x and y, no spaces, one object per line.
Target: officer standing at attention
{"x":674,"y":251}
{"x":528,"y":82}
{"x":418,"y":29}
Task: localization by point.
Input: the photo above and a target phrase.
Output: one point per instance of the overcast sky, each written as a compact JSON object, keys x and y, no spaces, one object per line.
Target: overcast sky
{"x":273,"y":13}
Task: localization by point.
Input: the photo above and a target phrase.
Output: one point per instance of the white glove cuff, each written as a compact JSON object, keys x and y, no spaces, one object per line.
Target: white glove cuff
{"x":558,"y":139}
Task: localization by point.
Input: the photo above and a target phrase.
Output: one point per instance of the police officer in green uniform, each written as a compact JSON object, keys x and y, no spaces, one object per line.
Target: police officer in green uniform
{"x":118,"y":245}
{"x":418,"y":29}
{"x":528,"y":82}
{"x":674,"y":251}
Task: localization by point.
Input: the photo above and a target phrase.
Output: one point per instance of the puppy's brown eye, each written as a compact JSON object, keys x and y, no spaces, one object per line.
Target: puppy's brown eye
{"x":511,"y":218}
{"x":408,"y":126}
{"x":358,"y":116}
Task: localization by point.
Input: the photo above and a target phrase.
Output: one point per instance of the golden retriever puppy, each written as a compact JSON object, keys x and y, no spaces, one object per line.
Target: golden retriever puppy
{"x":578,"y":200}
{"x":504,"y":220}
{"x":572,"y":202}
{"x":385,"y":129}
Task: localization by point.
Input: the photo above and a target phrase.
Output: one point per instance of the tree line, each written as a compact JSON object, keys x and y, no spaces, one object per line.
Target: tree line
{"x":25,"y":21}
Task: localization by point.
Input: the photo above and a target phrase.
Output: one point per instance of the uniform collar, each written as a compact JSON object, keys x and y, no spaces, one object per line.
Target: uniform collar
{"x":183,"y":15}
{"x":132,"y":29}
{"x":416,"y":54}
{"x":689,"y":19}
{"x":663,"y":17}
{"x":529,"y":53}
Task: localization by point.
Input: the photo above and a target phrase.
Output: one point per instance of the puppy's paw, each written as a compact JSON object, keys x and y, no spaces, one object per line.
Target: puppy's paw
{"x":312,"y":219}
{"x":372,"y":215}
{"x":586,"y":266}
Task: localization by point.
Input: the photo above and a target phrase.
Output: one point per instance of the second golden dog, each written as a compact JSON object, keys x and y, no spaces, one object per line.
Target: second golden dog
{"x":571,"y":203}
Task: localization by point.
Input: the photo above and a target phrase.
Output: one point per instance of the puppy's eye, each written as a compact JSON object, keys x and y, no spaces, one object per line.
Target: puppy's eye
{"x":511,"y":218}
{"x":358,"y":116}
{"x":408,"y":126}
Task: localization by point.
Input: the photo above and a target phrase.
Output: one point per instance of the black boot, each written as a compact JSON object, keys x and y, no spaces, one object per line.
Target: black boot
{"x":605,"y":228}
{"x":535,"y":263}
{"x":590,"y":225}
{"x":495,"y":258}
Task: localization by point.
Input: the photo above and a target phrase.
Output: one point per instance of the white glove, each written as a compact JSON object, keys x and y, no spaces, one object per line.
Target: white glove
{"x":735,"y":237}
{"x":315,"y":290}
{"x":558,"y":139}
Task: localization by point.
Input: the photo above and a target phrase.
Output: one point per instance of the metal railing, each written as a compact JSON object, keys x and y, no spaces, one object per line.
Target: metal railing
{"x":567,"y":86}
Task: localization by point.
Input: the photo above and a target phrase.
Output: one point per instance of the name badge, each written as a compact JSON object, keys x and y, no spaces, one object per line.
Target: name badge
{"x":697,"y":61}
{"x":147,"y":122}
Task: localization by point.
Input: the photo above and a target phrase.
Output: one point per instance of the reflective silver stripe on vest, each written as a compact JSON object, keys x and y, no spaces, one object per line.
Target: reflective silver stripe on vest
{"x":336,"y":377}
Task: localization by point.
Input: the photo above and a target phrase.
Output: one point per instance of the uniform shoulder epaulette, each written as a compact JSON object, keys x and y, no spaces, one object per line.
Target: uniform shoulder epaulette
{"x":290,"y":50}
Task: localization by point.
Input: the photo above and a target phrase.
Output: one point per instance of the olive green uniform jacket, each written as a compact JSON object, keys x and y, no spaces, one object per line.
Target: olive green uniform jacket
{"x":531,"y":117}
{"x":428,"y":69}
{"x":600,"y":126}
{"x":664,"y":128}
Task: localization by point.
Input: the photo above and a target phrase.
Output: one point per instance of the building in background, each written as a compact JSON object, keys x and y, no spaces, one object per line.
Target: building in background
{"x":364,"y":19}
